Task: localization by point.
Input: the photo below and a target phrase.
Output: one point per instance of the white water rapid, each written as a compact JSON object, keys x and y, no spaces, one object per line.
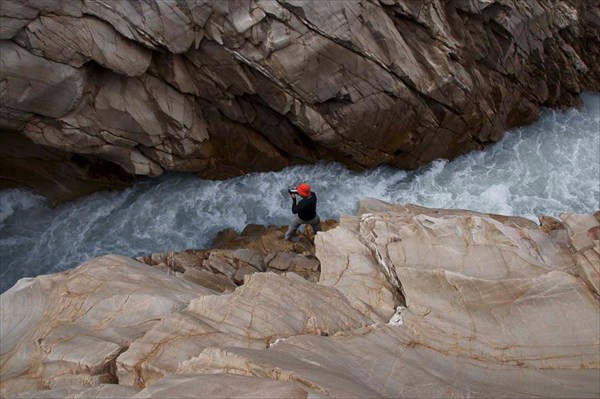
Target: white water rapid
{"x":549,"y":167}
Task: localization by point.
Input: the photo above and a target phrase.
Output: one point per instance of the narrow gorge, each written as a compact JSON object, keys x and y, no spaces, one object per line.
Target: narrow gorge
{"x":146,"y":149}
{"x":94,"y":93}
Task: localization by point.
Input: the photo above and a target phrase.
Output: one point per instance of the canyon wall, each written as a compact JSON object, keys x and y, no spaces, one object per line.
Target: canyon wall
{"x":93,"y":93}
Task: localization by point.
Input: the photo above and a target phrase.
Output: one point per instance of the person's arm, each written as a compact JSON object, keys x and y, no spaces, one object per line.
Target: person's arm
{"x":295,"y":207}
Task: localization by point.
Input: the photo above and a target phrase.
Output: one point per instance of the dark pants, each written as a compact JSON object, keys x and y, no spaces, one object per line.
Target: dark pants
{"x":296,"y":222}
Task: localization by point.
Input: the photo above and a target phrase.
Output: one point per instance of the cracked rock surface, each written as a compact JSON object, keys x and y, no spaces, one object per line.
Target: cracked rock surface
{"x":223,"y":88}
{"x":406,"y":302}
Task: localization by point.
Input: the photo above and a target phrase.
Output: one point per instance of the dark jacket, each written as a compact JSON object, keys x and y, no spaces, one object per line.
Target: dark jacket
{"x":306,"y":208}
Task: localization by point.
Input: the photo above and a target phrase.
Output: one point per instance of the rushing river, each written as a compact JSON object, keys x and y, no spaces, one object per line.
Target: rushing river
{"x":549,"y":167}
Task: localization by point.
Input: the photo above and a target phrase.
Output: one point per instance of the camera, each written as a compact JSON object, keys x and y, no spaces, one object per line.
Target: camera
{"x":292,"y":190}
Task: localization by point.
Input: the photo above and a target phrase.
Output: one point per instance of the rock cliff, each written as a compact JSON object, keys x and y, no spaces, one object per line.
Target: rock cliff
{"x":93,"y":92}
{"x":409,"y":302}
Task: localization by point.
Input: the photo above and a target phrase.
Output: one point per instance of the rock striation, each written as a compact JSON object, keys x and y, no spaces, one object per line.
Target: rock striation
{"x":409,"y":302}
{"x":224,"y":88}
{"x":68,"y":328}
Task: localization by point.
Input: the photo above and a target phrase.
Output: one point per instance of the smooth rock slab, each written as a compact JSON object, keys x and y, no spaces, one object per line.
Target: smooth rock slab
{"x":267,"y":307}
{"x":97,"y":392}
{"x":75,"y":41}
{"x":496,"y":306}
{"x":584,"y":236}
{"x":384,"y":361}
{"x":480,"y":288}
{"x":68,"y":328}
{"x":349,"y":265}
{"x":221,"y":386}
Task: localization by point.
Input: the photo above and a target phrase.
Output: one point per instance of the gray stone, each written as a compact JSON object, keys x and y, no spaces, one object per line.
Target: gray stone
{"x":225,"y":88}
{"x":36,"y":85}
{"x":75,"y":41}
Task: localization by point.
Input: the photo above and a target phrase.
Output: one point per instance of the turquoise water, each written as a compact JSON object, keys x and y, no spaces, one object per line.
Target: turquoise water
{"x":546,"y":168}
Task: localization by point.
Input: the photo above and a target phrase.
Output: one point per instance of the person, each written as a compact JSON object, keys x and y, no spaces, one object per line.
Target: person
{"x":305,"y":211}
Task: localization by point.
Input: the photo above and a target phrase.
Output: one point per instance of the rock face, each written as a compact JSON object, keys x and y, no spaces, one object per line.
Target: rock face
{"x":224,"y":88}
{"x":410,"y":302}
{"x":68,"y":328}
{"x":233,"y":257}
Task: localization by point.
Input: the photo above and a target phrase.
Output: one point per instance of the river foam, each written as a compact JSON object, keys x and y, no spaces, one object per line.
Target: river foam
{"x":549,"y":167}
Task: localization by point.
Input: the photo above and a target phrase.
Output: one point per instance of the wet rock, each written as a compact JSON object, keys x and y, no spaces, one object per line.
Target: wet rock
{"x":55,"y":174}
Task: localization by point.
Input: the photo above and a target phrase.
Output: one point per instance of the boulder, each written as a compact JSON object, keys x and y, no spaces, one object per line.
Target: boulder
{"x":305,"y":266}
{"x":213,"y":281}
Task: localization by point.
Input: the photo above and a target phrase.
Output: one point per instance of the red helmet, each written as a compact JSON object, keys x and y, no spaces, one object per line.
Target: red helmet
{"x":304,"y":190}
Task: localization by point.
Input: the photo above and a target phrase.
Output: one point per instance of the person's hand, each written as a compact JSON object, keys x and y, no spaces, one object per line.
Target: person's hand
{"x":292,"y":196}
